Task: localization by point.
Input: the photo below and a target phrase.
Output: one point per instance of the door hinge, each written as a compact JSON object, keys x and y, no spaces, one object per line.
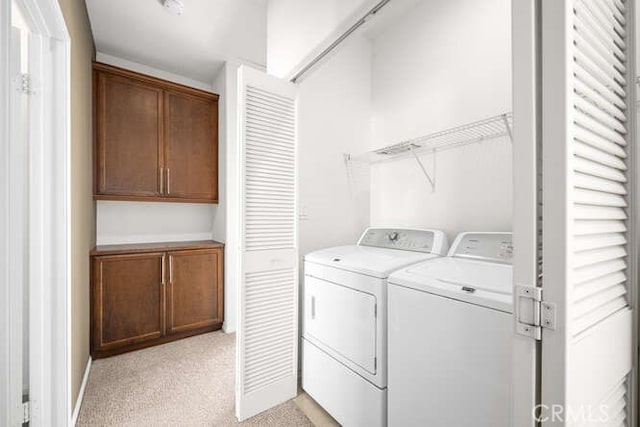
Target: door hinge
{"x":25,"y":84}
{"x":26,"y":412}
{"x":532,"y":313}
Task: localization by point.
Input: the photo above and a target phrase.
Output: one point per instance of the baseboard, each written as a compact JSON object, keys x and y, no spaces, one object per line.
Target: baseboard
{"x":228,"y":329}
{"x":83,"y":386}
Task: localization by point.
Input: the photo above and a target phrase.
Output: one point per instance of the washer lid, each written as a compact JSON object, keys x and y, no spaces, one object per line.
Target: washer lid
{"x":372,"y":261}
{"x":478,"y":282}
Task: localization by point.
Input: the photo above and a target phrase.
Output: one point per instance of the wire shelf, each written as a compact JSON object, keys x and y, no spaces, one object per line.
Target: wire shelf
{"x":481,"y":130}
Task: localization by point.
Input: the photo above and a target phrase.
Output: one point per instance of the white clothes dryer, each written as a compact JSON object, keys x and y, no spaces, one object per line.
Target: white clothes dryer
{"x":344,"y":329}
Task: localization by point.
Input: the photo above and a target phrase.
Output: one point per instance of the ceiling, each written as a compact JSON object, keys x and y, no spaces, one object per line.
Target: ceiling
{"x":194,"y":44}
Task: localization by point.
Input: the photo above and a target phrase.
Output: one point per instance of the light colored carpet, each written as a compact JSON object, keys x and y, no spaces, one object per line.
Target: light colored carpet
{"x":185,"y":383}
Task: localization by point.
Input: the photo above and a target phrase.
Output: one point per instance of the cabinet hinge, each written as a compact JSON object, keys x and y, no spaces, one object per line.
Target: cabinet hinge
{"x":532,"y":313}
{"x":26,"y":412}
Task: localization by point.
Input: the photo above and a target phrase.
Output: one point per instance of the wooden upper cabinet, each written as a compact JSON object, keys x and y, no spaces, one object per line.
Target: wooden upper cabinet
{"x":128,"y":137}
{"x":191,"y":158}
{"x":154,"y":140}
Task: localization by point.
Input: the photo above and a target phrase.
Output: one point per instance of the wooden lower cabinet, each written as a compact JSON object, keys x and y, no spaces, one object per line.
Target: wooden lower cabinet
{"x":128,"y":300}
{"x":193,"y":299}
{"x":143,"y":296}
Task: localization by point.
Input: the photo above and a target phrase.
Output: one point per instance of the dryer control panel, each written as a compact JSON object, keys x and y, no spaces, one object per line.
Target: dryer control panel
{"x":496,"y":247}
{"x":430,"y":241}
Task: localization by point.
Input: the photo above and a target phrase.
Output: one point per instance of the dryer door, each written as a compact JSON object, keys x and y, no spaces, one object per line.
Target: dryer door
{"x":342,"y":320}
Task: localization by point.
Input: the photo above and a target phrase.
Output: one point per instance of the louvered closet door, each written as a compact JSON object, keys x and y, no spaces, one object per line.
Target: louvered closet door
{"x":268,"y":316}
{"x":588,"y":246}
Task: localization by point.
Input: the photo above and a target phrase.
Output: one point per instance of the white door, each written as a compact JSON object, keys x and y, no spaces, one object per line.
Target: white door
{"x":267,"y":342}
{"x":589,"y":230}
{"x":34,"y":207}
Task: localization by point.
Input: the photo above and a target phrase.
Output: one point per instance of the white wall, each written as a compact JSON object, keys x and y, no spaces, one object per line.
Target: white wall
{"x":219,"y":221}
{"x":152,"y":71}
{"x":334,"y":117}
{"x":137,"y":222}
{"x":442,"y":64}
{"x":297,"y":29}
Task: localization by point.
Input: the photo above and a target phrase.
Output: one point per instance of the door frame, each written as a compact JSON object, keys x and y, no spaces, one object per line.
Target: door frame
{"x":525,"y":35}
{"x":48,"y":217}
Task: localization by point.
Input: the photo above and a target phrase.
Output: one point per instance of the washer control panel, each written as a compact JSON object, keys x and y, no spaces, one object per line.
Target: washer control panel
{"x":496,"y":247}
{"x":430,"y":241}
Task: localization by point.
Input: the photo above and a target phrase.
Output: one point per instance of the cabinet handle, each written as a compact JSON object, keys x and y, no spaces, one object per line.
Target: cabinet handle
{"x":160,"y":180}
{"x":170,"y":270}
{"x":163,"y":269}
{"x":168,"y":181}
{"x":313,"y":307}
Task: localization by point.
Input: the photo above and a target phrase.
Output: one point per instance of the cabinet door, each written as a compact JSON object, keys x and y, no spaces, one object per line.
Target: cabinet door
{"x":191,"y":144}
{"x":128,"y":137}
{"x":194,"y":290}
{"x":128,"y":300}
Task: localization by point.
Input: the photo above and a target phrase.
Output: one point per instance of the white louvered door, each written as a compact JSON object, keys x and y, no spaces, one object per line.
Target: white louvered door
{"x":589,"y":269}
{"x":267,"y":342}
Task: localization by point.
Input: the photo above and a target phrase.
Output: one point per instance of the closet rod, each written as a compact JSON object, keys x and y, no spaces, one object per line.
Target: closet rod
{"x":339,"y":40}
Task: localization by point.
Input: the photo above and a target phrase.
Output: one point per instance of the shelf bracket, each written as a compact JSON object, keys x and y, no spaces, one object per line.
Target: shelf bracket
{"x":424,"y":170}
{"x":505,"y":119}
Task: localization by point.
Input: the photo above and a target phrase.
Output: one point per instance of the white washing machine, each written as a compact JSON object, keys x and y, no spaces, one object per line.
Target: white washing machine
{"x":344,"y":329}
{"x":450,"y":337}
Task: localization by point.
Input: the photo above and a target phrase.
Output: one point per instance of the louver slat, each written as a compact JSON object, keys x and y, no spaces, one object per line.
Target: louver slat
{"x":596,"y":59}
{"x":599,"y":241}
{"x":599,"y":213}
{"x":599,"y":114}
{"x":599,"y":100}
{"x":599,"y":198}
{"x":582,"y":228}
{"x":605,"y":78}
{"x":598,"y":128}
{"x":588,"y":152}
{"x":594,"y":287}
{"x":599,"y":310}
{"x":616,"y":404}
{"x":598,"y":169}
{"x":595,"y":28}
{"x":270,"y":172}
{"x":598,"y":270}
{"x":269,"y":334}
{"x":611,"y":31}
{"x":604,"y":90}
{"x":583,"y":243}
{"x":598,"y":184}
{"x":605,"y":52}
{"x":594,"y":140}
